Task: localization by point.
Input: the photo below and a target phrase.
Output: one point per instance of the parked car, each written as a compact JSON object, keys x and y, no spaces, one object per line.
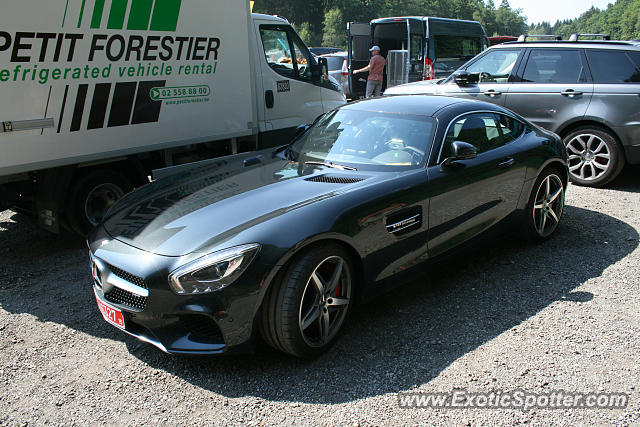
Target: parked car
{"x":204,"y":261}
{"x":586,"y":91}
{"x":317,"y":51}
{"x":338,"y":69}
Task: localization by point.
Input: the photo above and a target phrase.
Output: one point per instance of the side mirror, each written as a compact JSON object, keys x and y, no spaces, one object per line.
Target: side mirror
{"x":323,"y":68}
{"x":460,"y":150}
{"x":463,"y":77}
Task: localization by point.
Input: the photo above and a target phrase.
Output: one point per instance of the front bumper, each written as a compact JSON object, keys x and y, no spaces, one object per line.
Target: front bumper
{"x":206,"y":324}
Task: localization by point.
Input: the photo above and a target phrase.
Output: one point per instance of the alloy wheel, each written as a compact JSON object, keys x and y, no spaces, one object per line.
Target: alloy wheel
{"x":325,"y":301}
{"x":548,"y":205}
{"x":589,"y":156}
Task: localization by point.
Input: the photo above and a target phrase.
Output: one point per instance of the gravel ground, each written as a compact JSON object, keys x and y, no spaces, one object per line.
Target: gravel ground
{"x":563,"y":315}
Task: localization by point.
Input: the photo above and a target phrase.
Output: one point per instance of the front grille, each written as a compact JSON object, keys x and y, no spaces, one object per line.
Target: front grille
{"x":202,"y":328}
{"x":127,"y":276}
{"x":125,"y":298}
{"x":331,"y":179}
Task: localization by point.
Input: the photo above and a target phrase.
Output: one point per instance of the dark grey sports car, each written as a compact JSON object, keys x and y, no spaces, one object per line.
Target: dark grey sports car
{"x":204,"y":261}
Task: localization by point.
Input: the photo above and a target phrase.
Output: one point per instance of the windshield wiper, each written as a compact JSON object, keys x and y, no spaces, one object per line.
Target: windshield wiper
{"x":332,"y":165}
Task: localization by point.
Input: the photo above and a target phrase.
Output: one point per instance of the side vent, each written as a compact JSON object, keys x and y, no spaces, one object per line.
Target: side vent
{"x":404,"y":221}
{"x":334,"y":179}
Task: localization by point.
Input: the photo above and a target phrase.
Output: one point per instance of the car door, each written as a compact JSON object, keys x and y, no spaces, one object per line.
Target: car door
{"x":359,"y":41}
{"x":553,"y":88}
{"x":496,"y":69}
{"x":469,"y":196}
{"x":290,"y":97}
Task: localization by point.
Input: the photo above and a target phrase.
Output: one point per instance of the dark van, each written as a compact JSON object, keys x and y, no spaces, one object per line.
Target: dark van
{"x":416,"y":48}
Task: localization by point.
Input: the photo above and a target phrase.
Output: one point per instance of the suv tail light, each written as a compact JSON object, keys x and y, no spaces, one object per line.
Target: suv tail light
{"x":345,"y":67}
{"x":427,"y":72}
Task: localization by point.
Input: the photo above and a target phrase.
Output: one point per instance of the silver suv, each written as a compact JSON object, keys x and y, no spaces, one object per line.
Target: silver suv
{"x":588,"y":92}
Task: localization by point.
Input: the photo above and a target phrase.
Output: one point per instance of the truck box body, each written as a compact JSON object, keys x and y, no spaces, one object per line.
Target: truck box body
{"x":118,"y":77}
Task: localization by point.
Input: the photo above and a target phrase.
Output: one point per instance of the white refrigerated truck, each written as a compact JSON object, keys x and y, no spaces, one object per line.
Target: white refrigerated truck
{"x":95,"y":94}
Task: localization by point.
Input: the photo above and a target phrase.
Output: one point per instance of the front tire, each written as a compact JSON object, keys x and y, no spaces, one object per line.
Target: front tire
{"x":545,"y":207}
{"x":305,"y":309}
{"x":595,"y":157}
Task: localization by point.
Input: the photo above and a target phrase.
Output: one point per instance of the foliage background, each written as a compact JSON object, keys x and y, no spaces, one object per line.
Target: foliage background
{"x":324,"y":22}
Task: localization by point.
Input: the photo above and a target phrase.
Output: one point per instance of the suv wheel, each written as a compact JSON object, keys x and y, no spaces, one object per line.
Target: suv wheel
{"x":595,"y":158}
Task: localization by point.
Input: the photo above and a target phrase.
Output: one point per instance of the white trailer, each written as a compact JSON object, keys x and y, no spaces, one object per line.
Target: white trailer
{"x":94,"y":94}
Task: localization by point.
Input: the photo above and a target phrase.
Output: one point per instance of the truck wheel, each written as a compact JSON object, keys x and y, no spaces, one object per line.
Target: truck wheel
{"x":91,"y":196}
{"x":595,"y":157}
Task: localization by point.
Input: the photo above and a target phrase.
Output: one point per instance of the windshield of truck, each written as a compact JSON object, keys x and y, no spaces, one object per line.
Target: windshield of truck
{"x":453,"y":51}
{"x":367,"y":140}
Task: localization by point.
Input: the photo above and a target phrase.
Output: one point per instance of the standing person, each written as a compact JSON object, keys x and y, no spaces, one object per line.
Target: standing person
{"x":375,"y":69}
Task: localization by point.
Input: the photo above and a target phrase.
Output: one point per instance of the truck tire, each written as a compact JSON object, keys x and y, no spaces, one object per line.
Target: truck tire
{"x":91,"y":196}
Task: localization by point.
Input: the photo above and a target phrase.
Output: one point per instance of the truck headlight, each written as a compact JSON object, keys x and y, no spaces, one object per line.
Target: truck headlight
{"x":212,"y":272}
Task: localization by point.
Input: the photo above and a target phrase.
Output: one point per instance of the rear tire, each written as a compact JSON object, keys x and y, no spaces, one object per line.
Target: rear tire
{"x":91,"y":196}
{"x":306,"y":307}
{"x":545,"y":207}
{"x":595,"y":157}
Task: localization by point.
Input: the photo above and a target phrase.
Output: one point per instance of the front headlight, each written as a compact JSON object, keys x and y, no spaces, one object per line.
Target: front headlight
{"x":212,"y":272}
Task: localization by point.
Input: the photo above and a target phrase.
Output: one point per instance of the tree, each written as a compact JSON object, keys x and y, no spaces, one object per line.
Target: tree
{"x":334,"y":29}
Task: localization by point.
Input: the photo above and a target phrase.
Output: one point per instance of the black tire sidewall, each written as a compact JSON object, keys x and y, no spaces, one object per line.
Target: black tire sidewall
{"x":616,"y":160}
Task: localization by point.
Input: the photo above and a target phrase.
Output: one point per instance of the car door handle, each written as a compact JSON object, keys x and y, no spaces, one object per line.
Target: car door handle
{"x":492,"y":93}
{"x":571,"y":93}
{"x":507,"y":162}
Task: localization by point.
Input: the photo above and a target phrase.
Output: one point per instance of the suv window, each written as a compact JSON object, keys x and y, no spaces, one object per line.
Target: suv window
{"x":485,"y":131}
{"x":495,"y":66}
{"x":453,"y":51}
{"x":277,"y":43}
{"x":554,"y":66}
{"x":612,"y":66}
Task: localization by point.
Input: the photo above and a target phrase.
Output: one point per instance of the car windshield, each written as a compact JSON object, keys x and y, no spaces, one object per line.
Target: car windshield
{"x":367,"y":140}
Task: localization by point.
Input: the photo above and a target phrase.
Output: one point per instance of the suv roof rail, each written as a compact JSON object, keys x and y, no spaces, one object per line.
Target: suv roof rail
{"x":524,"y":37}
{"x":576,"y":36}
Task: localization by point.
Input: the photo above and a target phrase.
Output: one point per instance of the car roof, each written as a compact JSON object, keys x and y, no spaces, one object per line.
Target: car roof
{"x":423,"y":105}
{"x":566,"y":44}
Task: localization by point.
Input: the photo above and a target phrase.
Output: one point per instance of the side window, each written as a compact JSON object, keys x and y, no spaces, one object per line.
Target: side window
{"x":509,"y":129}
{"x":495,"y":66}
{"x":555,"y":66}
{"x":302,"y":58}
{"x":612,"y":66}
{"x":482,"y":130}
{"x":277,"y":51}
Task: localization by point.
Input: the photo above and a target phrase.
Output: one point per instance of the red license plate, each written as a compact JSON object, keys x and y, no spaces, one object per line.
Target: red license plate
{"x":111,"y":314}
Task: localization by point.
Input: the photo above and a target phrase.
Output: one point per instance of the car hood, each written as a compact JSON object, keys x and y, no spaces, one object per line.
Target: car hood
{"x":198,"y":208}
{"x":421,"y":87}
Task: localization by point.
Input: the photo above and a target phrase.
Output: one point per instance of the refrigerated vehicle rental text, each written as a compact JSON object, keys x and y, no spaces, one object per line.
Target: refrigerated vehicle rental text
{"x":95,"y":95}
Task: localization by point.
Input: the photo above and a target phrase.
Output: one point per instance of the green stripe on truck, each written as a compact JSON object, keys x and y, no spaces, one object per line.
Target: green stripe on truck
{"x":97,"y":14}
{"x":165,"y":15}
{"x":116,"y":17}
{"x":139,"y":15}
